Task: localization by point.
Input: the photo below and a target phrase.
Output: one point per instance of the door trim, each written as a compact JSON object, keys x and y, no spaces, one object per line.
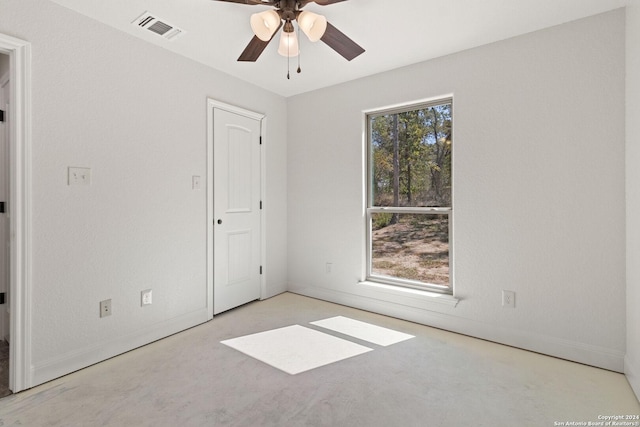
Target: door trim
{"x":20,"y":285}
{"x":211,"y":104}
{"x":5,"y":81}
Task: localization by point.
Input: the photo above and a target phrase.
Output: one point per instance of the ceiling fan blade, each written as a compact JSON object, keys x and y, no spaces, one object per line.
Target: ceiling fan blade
{"x":254,"y":49}
{"x":327,"y":2}
{"x":342,"y":44}
{"x":303,"y":3}
{"x":250,"y":2}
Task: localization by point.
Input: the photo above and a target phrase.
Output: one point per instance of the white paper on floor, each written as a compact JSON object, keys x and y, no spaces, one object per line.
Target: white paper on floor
{"x":295,"y":349}
{"x":362,"y":330}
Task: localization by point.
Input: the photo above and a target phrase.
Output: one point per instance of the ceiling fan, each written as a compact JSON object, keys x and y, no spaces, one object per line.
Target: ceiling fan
{"x":266,"y":24}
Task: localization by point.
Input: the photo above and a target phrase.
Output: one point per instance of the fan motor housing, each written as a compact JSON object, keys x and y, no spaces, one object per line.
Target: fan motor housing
{"x":287,"y":9}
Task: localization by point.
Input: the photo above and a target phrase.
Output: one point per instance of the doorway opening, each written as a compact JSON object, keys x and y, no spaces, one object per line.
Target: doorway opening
{"x":18,"y":211}
{"x":235,"y":219}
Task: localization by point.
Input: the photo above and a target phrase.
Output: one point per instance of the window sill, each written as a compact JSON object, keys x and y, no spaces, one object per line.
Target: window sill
{"x":423,"y":295}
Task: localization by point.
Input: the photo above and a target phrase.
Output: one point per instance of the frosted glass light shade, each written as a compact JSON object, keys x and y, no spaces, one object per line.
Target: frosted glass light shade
{"x":312,"y":24}
{"x":264,"y":24}
{"x":288,"y":44}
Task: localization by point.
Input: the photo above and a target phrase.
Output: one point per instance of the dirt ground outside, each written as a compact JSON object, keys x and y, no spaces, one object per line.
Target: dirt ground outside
{"x":414,"y":248}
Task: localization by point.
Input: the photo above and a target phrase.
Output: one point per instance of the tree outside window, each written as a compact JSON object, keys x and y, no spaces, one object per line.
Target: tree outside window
{"x":410,"y":193}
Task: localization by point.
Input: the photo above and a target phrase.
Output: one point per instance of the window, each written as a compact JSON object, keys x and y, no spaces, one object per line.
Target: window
{"x":409,"y":196}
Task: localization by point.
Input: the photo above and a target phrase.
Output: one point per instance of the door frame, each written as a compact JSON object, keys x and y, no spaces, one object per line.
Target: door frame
{"x":211,"y":105}
{"x":5,"y":81}
{"x":20,"y":208}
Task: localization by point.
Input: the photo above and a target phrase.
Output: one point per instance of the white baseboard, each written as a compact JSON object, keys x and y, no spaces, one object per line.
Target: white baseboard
{"x":78,"y":359}
{"x":587,"y":354}
{"x":632,"y":371}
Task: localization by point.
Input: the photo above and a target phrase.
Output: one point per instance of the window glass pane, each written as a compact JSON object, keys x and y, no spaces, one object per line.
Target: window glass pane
{"x":411,"y":247}
{"x":411,"y":158}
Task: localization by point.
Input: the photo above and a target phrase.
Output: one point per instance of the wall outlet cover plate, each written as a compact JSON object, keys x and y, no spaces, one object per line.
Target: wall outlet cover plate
{"x":508,"y":299}
{"x":79,"y":176}
{"x":105,"y":308}
{"x":146,"y":297}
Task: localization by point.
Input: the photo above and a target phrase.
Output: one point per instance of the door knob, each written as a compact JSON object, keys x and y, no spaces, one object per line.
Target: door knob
{"x":219,"y":221}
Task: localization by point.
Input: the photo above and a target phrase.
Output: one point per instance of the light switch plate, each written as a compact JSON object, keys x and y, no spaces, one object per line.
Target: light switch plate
{"x":196,"y":182}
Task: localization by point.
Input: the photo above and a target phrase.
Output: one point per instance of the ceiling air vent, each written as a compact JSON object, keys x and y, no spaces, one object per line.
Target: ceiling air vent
{"x":159,"y":26}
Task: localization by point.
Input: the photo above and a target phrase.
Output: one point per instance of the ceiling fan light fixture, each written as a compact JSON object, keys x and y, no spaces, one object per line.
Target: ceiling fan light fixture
{"x":264,"y":24}
{"x":312,"y":24}
{"x":288,"y":44}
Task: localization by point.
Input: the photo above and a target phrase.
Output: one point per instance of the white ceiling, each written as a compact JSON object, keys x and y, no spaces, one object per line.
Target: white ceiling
{"x":394,"y":33}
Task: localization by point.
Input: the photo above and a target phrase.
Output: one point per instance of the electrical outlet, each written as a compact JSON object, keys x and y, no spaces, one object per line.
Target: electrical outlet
{"x":146,"y":297}
{"x":79,"y":176}
{"x":105,"y":308}
{"x":508,"y":299}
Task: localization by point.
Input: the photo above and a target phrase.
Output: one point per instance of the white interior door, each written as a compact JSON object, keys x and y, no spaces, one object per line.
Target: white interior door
{"x":236,"y":210}
{"x":4,"y":216}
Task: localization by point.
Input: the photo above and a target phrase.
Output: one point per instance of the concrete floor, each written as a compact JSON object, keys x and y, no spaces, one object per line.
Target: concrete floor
{"x":4,"y":369}
{"x":435,"y":379}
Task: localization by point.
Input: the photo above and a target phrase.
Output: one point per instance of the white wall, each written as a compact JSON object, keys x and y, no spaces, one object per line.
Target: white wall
{"x":136,"y":115}
{"x":632,"y":361}
{"x":538,"y":197}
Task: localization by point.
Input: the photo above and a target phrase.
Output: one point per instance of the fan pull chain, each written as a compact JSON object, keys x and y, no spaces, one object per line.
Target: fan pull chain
{"x":288,"y":60}
{"x":299,"y":70}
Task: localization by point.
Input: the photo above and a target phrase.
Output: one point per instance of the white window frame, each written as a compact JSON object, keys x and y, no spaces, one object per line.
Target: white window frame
{"x":370,"y":210}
